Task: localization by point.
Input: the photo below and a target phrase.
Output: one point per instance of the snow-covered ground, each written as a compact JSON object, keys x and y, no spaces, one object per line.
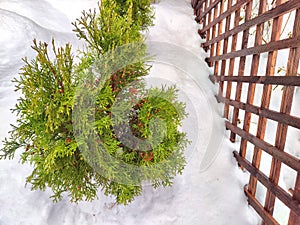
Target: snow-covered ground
{"x":201,"y":196}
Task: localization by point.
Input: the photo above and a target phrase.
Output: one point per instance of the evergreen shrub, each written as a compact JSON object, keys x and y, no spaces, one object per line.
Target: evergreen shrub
{"x":45,"y":131}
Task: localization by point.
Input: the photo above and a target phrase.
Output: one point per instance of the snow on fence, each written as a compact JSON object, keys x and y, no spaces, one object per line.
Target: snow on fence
{"x":238,"y":33}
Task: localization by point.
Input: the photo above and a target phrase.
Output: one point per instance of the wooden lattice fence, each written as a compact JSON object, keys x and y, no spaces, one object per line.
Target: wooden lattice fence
{"x":237,"y":34}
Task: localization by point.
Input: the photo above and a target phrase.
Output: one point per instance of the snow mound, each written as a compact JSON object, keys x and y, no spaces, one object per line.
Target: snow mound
{"x":212,"y":197}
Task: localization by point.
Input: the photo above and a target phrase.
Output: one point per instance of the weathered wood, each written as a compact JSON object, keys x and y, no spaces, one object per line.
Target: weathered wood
{"x":209,"y":19}
{"x":225,"y":49}
{"x":234,"y":8}
{"x":284,"y":157}
{"x":271,"y":14}
{"x":231,"y":63}
{"x":193,"y":3}
{"x":198,"y":4}
{"x":212,"y":6}
{"x":272,"y":46}
{"x":220,"y":28}
{"x":269,"y":79}
{"x":204,"y":20}
{"x":214,"y":30}
{"x":294,"y":217}
{"x":285,"y":108}
{"x":211,"y":14}
{"x":260,"y":209}
{"x":293,"y":65}
{"x":279,"y":192}
{"x":197,"y":9}
{"x":251,"y":93}
{"x":241,"y":71}
{"x":266,"y":113}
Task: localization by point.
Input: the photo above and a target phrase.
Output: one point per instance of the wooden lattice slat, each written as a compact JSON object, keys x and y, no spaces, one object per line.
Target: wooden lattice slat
{"x":231,"y":62}
{"x":286,"y":106}
{"x":272,"y":46}
{"x":234,"y":8}
{"x":276,"y":190}
{"x":294,"y":217}
{"x":273,"y":13}
{"x":225,"y":47}
{"x":220,"y":28}
{"x":213,"y":15}
{"x":251,"y":91}
{"x":286,"y":158}
{"x":241,"y":71}
{"x":268,"y":79}
{"x":269,"y":114}
{"x":266,"y":98}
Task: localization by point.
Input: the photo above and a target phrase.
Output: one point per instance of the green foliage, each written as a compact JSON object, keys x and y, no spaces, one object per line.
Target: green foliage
{"x":109,"y":29}
{"x":45,"y":125}
{"x":142,"y":11}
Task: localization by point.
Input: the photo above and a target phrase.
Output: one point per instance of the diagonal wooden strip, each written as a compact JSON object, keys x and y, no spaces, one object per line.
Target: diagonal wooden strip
{"x":241,"y":71}
{"x":292,"y":80}
{"x":234,"y":8}
{"x":273,"y":13}
{"x":260,"y":209}
{"x":267,"y":113}
{"x":212,"y":6}
{"x":285,"y":197}
{"x":272,"y":46}
{"x":284,"y":157}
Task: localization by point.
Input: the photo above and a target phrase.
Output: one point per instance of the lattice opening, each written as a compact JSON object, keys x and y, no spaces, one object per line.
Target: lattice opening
{"x":281,"y":212}
{"x":254,"y":47}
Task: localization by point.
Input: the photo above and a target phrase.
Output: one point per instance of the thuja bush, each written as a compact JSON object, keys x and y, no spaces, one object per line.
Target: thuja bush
{"x":135,"y":126}
{"x":142,"y":11}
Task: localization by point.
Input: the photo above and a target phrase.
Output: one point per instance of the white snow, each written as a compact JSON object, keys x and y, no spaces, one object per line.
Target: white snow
{"x":201,"y":196}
